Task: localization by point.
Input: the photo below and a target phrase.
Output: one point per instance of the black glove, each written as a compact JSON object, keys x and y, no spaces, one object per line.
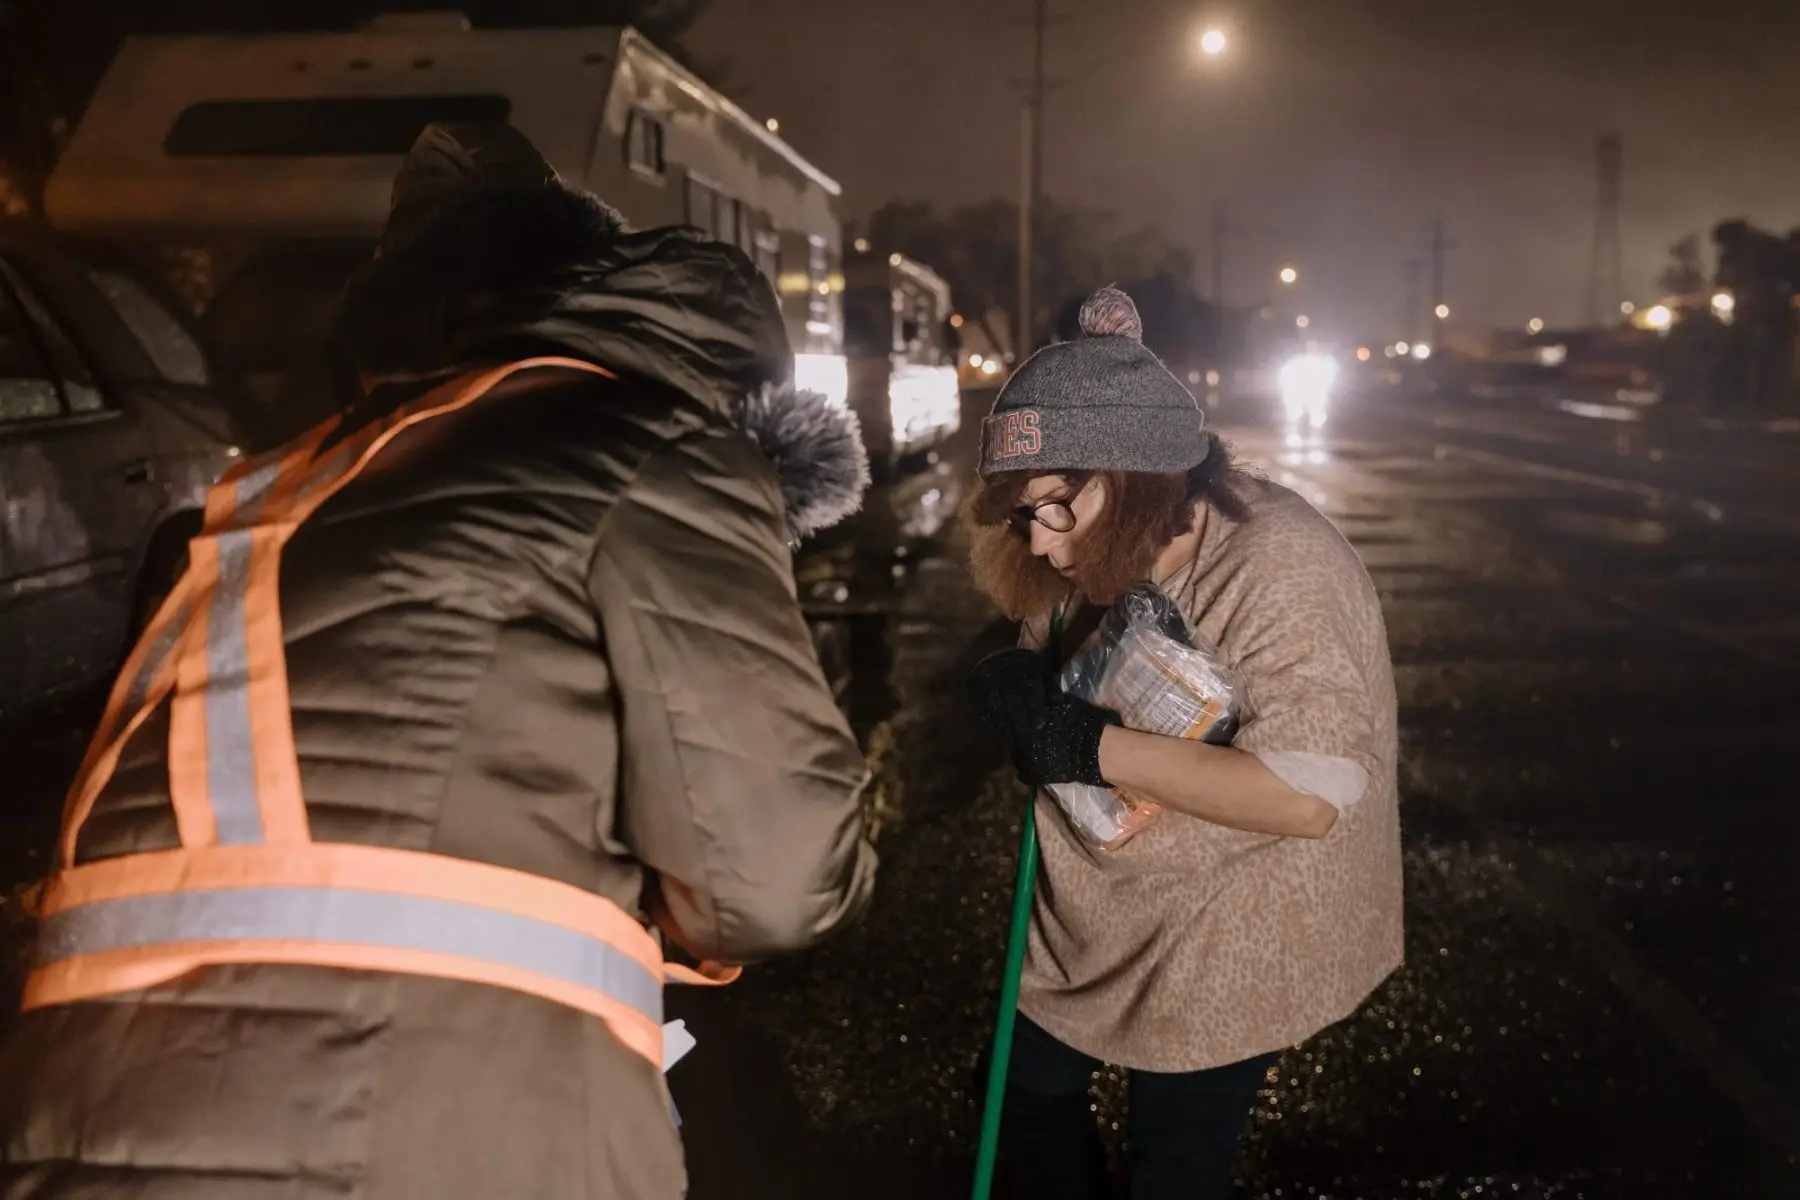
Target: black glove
{"x":1053,"y":737}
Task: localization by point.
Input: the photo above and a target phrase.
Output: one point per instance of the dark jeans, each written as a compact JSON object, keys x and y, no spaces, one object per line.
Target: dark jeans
{"x":1184,"y":1127}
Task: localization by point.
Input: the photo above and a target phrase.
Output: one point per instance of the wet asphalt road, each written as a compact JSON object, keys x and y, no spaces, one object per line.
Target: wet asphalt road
{"x":1598,"y":656}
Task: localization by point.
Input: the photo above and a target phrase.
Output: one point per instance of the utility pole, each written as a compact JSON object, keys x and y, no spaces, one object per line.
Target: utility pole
{"x":1219,"y":230}
{"x":1606,"y":271}
{"x":1409,"y":319}
{"x":1031,"y":179}
{"x":1439,"y":248}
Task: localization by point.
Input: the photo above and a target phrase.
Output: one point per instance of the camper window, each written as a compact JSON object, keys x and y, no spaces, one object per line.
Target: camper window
{"x":818,"y":272}
{"x":751,"y":223}
{"x":702,"y":204}
{"x":768,"y":254}
{"x":332,"y":126}
{"x":644,"y":144}
{"x":726,"y":227}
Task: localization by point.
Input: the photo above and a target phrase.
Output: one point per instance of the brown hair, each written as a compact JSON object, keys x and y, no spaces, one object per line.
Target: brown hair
{"x":1143,"y":513}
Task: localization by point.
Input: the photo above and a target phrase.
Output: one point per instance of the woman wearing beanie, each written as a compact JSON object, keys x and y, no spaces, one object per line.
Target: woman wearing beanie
{"x":1265,"y":903}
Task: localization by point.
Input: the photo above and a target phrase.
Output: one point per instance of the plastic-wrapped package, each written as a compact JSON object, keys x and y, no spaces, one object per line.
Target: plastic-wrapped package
{"x":1145,"y":665}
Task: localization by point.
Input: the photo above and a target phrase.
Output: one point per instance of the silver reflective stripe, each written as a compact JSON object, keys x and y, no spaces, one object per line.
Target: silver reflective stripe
{"x":230,"y":753}
{"x":252,"y":489}
{"x":379,"y":919}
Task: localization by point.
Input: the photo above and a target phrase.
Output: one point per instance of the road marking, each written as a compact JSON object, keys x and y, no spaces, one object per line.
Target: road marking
{"x":1709,"y":509}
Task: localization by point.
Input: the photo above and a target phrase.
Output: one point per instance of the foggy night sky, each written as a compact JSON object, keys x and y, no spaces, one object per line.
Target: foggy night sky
{"x":1334,"y":131}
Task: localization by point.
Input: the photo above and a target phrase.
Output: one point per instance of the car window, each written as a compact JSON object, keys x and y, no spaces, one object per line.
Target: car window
{"x":27,"y":392}
{"x":170,"y":348}
{"x":68,"y":367}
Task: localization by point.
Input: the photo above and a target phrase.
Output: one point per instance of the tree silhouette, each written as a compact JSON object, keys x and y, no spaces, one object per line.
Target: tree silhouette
{"x":975,"y":248}
{"x":1686,"y":273}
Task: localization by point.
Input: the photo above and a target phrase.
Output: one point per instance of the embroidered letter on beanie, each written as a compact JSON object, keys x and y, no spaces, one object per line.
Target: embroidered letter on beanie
{"x":1019,"y":434}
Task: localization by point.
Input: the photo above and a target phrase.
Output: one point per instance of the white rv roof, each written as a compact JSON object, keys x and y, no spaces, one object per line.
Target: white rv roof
{"x":302,"y":133}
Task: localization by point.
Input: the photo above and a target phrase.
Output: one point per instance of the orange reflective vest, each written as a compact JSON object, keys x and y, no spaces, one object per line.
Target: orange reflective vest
{"x":248,"y":884}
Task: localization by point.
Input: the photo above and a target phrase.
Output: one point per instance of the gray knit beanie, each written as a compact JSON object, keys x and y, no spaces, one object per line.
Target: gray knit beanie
{"x":1103,"y":402}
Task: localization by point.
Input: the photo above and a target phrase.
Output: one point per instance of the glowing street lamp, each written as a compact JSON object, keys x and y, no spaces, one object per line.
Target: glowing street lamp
{"x":1659,"y":318}
{"x":1289,"y":275}
{"x":1442,"y":312}
{"x":1213,"y":42}
{"x":1535,"y":325}
{"x":1302,"y":320}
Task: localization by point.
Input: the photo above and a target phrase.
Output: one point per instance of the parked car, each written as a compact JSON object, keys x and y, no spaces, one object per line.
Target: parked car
{"x":111,"y":430}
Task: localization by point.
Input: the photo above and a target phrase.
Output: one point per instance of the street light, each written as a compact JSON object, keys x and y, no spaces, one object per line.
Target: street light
{"x":1213,"y":42}
{"x":1535,"y":325}
{"x":1660,"y":318}
{"x":1443,"y":312}
{"x":1289,"y":275}
{"x":1303,"y":320}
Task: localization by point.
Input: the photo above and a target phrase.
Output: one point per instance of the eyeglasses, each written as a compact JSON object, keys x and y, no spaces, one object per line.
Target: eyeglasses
{"x":1054,"y":515}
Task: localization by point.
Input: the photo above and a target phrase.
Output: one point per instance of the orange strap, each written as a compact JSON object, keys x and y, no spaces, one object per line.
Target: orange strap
{"x":248,"y":883}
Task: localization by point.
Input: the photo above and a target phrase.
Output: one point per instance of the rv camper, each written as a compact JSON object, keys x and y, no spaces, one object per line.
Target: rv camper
{"x":902,"y":355}
{"x":272,"y":157}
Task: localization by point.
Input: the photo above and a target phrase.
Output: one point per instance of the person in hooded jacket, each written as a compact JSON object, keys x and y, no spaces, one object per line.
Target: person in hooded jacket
{"x":554,"y":631}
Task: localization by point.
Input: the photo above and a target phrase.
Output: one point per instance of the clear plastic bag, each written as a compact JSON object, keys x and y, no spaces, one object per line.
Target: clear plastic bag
{"x":1145,"y":665}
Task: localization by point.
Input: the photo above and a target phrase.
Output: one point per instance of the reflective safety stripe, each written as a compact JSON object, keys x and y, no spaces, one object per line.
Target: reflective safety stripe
{"x":230,"y":738}
{"x":342,"y":916}
{"x":142,"y":682}
{"x":230,"y":744}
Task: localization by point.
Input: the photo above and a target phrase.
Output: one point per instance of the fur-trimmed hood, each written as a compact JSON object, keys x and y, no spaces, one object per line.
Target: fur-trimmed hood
{"x":504,"y":272}
{"x":817,"y":452}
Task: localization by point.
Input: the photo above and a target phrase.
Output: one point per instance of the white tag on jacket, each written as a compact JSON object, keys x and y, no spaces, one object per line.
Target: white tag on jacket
{"x":677,"y":1041}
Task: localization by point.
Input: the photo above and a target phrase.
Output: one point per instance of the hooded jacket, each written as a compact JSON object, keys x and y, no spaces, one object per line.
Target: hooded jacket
{"x":555,"y":631}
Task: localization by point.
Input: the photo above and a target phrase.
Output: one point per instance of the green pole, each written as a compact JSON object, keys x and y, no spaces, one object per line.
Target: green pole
{"x":1005,"y":1019}
{"x":1009,"y":1005}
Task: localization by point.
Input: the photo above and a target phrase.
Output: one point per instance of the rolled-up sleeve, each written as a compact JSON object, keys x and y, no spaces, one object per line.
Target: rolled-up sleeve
{"x":1300,"y":647}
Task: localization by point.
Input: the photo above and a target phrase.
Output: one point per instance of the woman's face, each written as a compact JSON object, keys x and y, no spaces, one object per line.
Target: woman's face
{"x":1054,"y":514}
{"x":1094,"y":535}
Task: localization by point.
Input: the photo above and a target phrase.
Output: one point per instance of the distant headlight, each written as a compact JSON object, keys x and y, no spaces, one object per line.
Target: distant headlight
{"x":1305,"y":383}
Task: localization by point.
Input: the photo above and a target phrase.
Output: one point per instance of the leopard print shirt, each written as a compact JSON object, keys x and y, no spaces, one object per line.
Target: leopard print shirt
{"x":1194,"y":945}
